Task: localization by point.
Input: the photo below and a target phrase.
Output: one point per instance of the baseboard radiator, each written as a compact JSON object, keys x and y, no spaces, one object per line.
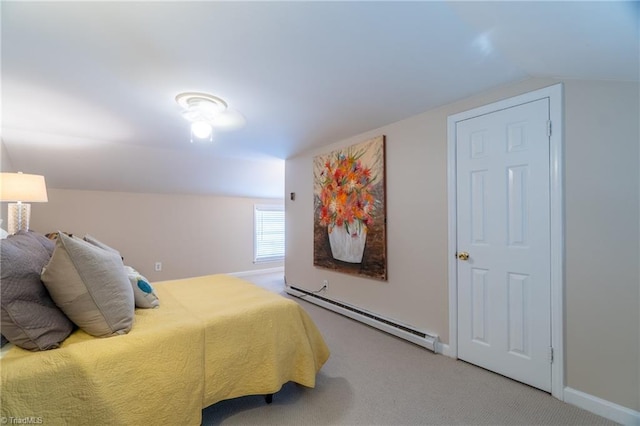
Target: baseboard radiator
{"x":426,"y":340}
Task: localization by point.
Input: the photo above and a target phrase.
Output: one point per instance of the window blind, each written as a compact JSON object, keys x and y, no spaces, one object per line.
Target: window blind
{"x":268,"y":233}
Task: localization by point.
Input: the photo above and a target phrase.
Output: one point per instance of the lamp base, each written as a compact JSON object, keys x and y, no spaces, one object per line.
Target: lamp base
{"x":18,"y":217}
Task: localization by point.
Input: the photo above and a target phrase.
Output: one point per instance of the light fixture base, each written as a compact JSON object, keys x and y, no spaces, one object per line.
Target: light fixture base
{"x":188,"y":100}
{"x":18,"y":217}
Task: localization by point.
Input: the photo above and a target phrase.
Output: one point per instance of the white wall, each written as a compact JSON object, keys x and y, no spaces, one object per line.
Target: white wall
{"x":5,"y":161}
{"x":602,"y":180}
{"x":602,"y":188}
{"x":191,"y":235}
{"x":5,"y":166}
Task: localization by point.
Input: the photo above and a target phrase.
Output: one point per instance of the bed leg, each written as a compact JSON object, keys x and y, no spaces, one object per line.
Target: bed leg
{"x":268,"y":398}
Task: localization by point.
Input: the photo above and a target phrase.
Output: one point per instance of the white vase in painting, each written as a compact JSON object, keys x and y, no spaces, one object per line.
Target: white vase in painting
{"x":345,"y":246}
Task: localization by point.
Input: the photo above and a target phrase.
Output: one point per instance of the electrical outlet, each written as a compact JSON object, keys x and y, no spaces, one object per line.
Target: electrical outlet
{"x":325,"y":284}
{"x":158,"y":266}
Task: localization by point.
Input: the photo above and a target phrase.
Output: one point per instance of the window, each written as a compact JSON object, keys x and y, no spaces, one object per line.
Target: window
{"x":268,"y":245}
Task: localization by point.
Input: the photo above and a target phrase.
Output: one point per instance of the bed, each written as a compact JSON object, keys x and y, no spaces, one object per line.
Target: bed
{"x":212,"y":338}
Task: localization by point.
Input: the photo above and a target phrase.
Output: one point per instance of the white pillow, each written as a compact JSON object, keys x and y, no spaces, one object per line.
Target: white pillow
{"x":143,"y":293}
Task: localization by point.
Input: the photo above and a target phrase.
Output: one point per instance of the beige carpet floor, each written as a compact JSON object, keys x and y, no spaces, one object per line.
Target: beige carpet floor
{"x":373,"y":378}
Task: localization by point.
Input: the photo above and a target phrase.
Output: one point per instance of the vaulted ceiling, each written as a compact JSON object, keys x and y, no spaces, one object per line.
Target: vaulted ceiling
{"x":88,"y":88}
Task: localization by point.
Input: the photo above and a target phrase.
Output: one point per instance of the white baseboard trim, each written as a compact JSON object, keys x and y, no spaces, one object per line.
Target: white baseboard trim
{"x":602,"y":407}
{"x":429,"y":341}
{"x":257,"y":272}
{"x":444,"y":349}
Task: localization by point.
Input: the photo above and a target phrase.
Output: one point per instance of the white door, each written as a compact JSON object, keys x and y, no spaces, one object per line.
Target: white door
{"x":503,"y":224}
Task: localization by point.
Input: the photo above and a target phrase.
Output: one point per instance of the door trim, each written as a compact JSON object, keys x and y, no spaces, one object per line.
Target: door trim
{"x":555,"y":95}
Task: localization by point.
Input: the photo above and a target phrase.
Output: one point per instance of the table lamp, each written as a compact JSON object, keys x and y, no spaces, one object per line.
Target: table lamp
{"x":20,"y":189}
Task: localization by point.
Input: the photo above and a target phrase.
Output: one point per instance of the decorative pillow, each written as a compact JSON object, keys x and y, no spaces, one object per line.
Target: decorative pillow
{"x":88,"y":238}
{"x":54,"y":235}
{"x":29,"y":318}
{"x":143,"y":292}
{"x":91,"y":286}
{"x":46,"y":243}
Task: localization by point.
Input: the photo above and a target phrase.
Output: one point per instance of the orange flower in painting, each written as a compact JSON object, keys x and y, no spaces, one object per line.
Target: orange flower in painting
{"x":345,"y":195}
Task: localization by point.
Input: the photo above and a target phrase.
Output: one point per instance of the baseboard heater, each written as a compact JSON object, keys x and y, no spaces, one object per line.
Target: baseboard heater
{"x":426,"y":340}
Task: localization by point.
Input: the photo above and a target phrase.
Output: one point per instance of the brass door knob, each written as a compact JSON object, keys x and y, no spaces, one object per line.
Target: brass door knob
{"x":463,"y":255}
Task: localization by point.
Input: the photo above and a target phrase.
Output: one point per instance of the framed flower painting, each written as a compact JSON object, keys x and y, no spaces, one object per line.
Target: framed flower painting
{"x":349,"y":210}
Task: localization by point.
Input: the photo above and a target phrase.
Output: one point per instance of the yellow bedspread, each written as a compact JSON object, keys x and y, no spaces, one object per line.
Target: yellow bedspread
{"x":213,"y":338}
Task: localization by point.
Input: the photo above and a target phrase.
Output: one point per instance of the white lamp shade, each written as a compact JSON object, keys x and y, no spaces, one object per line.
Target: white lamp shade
{"x":23,"y":187}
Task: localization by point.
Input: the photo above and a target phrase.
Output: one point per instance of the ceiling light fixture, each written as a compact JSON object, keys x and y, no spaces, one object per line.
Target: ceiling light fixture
{"x":201,"y":130}
{"x":206,"y":112}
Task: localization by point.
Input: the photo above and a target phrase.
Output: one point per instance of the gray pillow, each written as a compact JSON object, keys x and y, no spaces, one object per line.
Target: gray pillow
{"x":46,"y":242}
{"x":94,"y":241}
{"x":91,"y":286}
{"x":28,"y":316}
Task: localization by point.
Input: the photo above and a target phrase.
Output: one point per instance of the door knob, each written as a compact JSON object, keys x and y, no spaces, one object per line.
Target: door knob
{"x":463,"y":255}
